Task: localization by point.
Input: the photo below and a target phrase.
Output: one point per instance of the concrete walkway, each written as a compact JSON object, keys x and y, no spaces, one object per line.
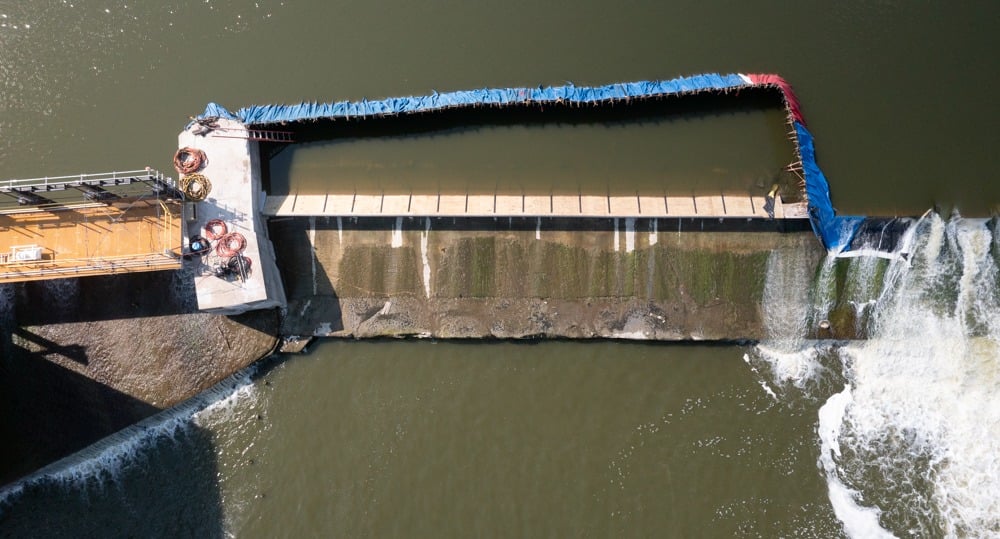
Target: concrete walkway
{"x":356,"y":205}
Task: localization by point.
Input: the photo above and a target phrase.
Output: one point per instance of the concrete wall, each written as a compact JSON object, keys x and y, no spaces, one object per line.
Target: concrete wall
{"x":511,"y":278}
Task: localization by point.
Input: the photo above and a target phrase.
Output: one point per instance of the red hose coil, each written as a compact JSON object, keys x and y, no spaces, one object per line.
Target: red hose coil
{"x":215,"y":229}
{"x":230,"y":244}
{"x":188,"y":160}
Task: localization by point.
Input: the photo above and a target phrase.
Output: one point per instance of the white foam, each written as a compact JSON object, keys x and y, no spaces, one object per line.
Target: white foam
{"x":397,"y":233}
{"x":312,"y":251}
{"x":426,"y":260}
{"x":933,"y":373}
{"x":763,"y":384}
{"x":652,"y":233}
{"x":875,"y":253}
{"x":858,"y":521}
{"x":795,"y":366}
{"x":920,"y":410}
{"x":106,"y":458}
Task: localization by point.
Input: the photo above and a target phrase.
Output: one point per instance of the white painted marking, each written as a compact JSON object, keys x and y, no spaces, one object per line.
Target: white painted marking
{"x":397,"y":233}
{"x":629,"y":234}
{"x":426,"y":259}
{"x":312,"y":251}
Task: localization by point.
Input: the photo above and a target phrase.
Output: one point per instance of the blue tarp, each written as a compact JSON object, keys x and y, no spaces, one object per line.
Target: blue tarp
{"x":272,"y":114}
{"x":835,"y":231}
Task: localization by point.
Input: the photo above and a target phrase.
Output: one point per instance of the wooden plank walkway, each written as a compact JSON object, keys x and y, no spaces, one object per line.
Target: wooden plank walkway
{"x":385,"y":205}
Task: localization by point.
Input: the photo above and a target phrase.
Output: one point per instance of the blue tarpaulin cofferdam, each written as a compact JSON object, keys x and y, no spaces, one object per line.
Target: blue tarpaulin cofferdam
{"x":836,"y":232}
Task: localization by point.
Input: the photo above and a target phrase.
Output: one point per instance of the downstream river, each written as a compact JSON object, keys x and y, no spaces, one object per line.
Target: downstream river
{"x":896,"y":435}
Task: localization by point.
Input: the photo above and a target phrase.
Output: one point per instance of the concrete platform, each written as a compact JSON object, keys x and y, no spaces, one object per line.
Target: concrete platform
{"x":233,"y":167}
{"x":487,"y":205}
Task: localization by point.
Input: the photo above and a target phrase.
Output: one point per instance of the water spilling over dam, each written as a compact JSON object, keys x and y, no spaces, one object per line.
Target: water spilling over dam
{"x":914,"y":411}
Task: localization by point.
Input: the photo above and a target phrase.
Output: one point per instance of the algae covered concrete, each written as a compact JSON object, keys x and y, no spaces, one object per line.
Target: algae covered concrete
{"x":656,"y":279}
{"x":83,"y":358}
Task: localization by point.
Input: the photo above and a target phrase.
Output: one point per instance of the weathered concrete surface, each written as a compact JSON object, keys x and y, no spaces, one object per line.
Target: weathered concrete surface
{"x":510,"y":278}
{"x":233,"y":167}
{"x":83,"y":358}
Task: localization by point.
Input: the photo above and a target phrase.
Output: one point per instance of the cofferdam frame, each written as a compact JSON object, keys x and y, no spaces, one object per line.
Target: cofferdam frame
{"x":271,"y":127}
{"x":836,"y":232}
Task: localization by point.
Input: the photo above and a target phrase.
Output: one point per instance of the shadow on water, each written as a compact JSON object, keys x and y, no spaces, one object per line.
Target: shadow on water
{"x":117,"y":477}
{"x":49,"y":411}
{"x":125,"y":296}
{"x":166,"y":487}
{"x":105,"y":297}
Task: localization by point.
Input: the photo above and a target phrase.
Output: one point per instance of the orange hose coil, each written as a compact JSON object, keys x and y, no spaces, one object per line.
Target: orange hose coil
{"x":188,"y":160}
{"x":215,"y":229}
{"x":230,"y":244}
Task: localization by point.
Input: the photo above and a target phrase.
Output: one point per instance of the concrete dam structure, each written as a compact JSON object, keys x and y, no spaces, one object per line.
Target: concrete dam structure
{"x":250,"y":269}
{"x":498,"y":264}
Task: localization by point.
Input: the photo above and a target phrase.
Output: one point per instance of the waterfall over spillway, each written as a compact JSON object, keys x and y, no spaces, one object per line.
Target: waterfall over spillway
{"x":910,"y":438}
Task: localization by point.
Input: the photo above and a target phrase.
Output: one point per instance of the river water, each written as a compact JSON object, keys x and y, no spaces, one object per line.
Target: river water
{"x":896,"y":434}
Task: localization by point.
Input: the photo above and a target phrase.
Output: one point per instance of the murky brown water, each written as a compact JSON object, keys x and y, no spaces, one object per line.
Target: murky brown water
{"x":424,"y":438}
{"x":735,"y":151}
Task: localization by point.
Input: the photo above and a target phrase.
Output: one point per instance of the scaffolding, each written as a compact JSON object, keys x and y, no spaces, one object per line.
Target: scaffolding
{"x":89,"y":224}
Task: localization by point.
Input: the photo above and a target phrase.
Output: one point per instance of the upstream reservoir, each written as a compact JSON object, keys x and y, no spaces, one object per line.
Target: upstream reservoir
{"x":405,"y":438}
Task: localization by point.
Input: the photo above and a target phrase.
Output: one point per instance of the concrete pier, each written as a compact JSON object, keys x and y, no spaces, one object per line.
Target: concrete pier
{"x":233,"y":167}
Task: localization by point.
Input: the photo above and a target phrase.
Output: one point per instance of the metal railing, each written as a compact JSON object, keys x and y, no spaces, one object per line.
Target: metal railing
{"x":100,"y":178}
{"x":89,"y":266}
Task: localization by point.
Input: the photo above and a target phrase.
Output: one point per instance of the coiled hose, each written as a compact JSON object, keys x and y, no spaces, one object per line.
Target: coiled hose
{"x":195,"y":186}
{"x":189,"y":160}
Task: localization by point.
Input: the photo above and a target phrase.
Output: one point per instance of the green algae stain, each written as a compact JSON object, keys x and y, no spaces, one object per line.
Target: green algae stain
{"x":378,"y":270}
{"x":505,"y":266}
{"x":483,"y":263}
{"x":711,"y":277}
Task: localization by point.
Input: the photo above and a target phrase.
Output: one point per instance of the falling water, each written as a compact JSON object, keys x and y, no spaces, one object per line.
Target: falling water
{"x":787,"y":307}
{"x":172,"y":446}
{"x":910,"y":444}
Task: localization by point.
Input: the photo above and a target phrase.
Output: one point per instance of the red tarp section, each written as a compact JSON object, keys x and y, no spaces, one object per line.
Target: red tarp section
{"x":775,"y":80}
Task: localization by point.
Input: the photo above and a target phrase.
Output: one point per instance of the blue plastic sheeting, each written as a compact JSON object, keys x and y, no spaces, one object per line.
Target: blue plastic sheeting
{"x":835,"y":231}
{"x":214,"y":110}
{"x":270,"y":114}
